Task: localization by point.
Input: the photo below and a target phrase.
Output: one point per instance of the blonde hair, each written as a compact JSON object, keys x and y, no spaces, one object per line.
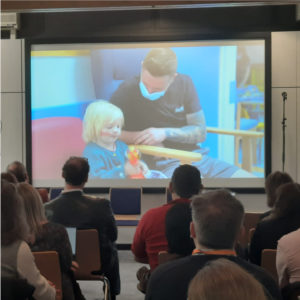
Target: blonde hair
{"x":97,"y":115}
{"x":224,"y":279}
{"x":34,"y":209}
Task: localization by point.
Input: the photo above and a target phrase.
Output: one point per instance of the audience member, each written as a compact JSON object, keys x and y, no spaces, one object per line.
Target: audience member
{"x":217,"y":219}
{"x":150,"y":237}
{"x":17,"y":260}
{"x":19,"y":170}
{"x":288,"y":258}
{"x":223,"y":279}
{"x":73,"y":208}
{"x":284,"y":218}
{"x":10,"y":177}
{"x":273,"y":181}
{"x":47,"y":236}
{"x":178,"y":219}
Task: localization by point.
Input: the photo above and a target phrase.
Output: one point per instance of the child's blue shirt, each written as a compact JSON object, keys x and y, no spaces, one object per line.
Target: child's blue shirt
{"x":105,"y":163}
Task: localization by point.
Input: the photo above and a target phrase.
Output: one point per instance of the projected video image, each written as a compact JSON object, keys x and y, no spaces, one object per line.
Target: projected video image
{"x":138,"y":113}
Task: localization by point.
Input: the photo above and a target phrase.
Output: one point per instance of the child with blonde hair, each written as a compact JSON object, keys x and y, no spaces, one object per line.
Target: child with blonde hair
{"x":107,"y":156}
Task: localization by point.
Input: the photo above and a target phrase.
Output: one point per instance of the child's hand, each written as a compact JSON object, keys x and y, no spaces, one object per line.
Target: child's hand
{"x":140,"y":168}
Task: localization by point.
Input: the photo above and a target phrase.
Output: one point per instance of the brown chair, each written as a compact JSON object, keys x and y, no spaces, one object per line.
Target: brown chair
{"x":48,"y":264}
{"x":250,"y":234}
{"x":250,"y":221}
{"x":164,"y":256}
{"x":44,"y":195}
{"x":268,"y":262}
{"x":88,"y":258}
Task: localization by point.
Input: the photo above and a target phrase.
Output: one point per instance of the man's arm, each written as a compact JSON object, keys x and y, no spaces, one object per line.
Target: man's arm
{"x":193,"y":133}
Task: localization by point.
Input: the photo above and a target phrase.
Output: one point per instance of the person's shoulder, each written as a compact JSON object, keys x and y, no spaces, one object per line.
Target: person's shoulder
{"x":156,"y":211}
{"x":183,"y":78}
{"x":95,"y":200}
{"x":291,"y":237}
{"x":120,"y":144}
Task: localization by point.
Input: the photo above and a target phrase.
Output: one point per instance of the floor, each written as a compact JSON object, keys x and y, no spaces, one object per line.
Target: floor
{"x":92,"y":290}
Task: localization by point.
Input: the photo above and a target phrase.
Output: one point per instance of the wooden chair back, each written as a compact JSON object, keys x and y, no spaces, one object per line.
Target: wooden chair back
{"x":48,"y":264}
{"x":250,"y":221}
{"x":87,"y":254}
{"x":88,"y":258}
{"x":164,"y":256}
{"x":268,"y":262}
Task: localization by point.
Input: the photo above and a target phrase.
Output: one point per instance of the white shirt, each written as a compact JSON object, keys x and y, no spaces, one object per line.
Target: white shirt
{"x":288,"y":258}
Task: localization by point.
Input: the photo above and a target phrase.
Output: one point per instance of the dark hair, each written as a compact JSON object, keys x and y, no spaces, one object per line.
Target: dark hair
{"x":9,"y":176}
{"x":178,"y":220}
{"x":186,"y":181}
{"x":160,"y":62}
{"x":19,"y":170}
{"x":287,"y":203}
{"x":75,"y":170}
{"x":217,"y":218}
{"x":13,"y":221}
{"x":273,"y":181}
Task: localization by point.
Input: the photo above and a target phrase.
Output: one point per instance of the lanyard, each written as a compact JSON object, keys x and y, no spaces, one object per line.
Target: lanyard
{"x":214,"y":252}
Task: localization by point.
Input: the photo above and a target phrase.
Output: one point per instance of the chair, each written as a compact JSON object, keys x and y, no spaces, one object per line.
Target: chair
{"x":247,"y":137}
{"x":48,"y":264}
{"x":250,"y":234}
{"x":250,"y":221}
{"x":164,"y":256}
{"x":54,"y":192}
{"x":268,"y":262}
{"x":44,"y":195}
{"x":126,"y":205}
{"x":245,"y":122}
{"x":88,"y":258}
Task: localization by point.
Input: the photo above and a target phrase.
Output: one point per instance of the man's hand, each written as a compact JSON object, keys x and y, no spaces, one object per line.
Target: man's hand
{"x":150,"y":136}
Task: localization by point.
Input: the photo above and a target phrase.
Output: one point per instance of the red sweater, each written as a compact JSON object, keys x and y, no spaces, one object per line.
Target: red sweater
{"x":150,"y":237}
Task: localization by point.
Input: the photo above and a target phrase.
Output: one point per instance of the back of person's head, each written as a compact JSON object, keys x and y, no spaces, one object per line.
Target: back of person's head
{"x":287,"y":203}
{"x":13,"y":221}
{"x":160,"y":62}
{"x":217,"y":218}
{"x":9,"y":176}
{"x":186,"y":181}
{"x":97,"y":115}
{"x":178,"y":220}
{"x":273,"y":181}
{"x":223,"y":279}
{"x":75,"y":171}
{"x":19,"y":170}
{"x":34,"y":208}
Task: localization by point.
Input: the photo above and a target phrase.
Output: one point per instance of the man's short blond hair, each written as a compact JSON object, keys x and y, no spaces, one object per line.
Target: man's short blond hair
{"x":97,"y":115}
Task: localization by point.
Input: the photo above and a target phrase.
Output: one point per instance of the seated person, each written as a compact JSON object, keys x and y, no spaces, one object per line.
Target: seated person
{"x":178,"y":221}
{"x":10,"y":177}
{"x":48,"y":236}
{"x":217,"y":218}
{"x":288,"y":259}
{"x":273,"y":181}
{"x":17,"y":260}
{"x":19,"y":170}
{"x":180,"y":244}
{"x":284,"y":218}
{"x":223,"y":279}
{"x":108,"y":156}
{"x":162,"y":107}
{"x":150,"y":237}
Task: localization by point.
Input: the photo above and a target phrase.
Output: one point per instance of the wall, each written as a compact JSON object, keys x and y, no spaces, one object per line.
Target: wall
{"x":150,"y":24}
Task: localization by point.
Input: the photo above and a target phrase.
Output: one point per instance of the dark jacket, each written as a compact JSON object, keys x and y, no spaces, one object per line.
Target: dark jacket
{"x":75,"y":209}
